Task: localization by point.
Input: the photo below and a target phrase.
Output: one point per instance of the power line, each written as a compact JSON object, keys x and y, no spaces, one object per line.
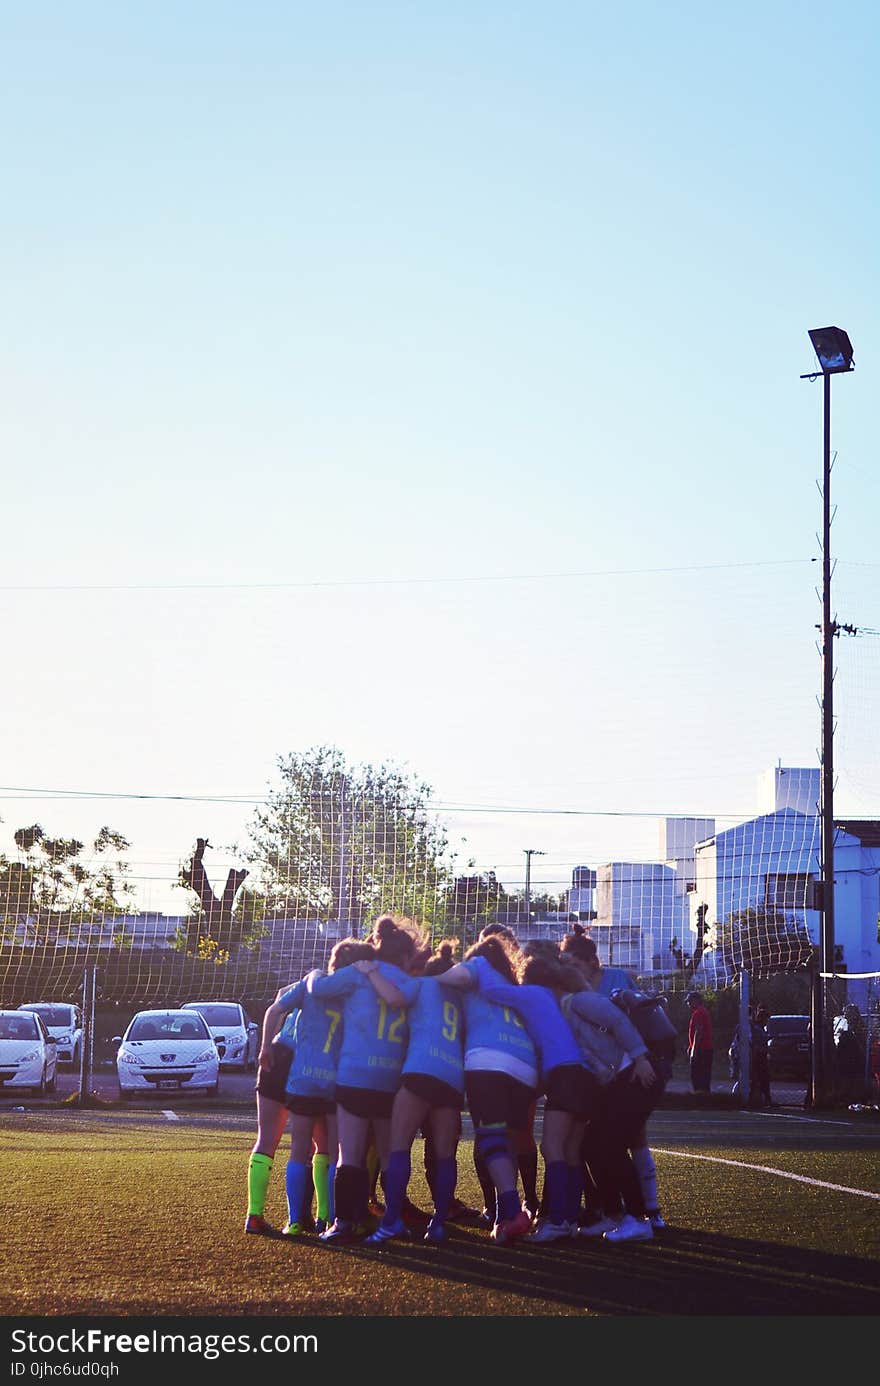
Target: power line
{"x":386,"y":582}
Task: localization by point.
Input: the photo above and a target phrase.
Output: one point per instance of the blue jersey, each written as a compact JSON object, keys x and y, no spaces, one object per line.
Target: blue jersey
{"x":612,"y":979}
{"x":541,"y":1015}
{"x":436,"y":1033}
{"x":291,"y":998}
{"x":494,"y":1029}
{"x":374,"y":1034}
{"x":317,"y":1042}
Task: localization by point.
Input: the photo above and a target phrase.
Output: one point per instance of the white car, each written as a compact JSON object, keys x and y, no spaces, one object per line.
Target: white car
{"x":63,"y":1020}
{"x":166,"y":1051}
{"x":28,"y":1053}
{"x":237,"y":1038}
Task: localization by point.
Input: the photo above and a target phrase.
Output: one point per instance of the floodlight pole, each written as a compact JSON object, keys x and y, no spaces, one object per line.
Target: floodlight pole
{"x":820,"y":1085}
{"x":820,"y":1069}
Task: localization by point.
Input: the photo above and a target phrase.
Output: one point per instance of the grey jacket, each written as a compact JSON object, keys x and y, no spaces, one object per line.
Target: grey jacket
{"x":606,"y":1036}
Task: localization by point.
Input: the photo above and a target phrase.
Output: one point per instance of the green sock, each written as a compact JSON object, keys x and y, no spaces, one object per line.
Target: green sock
{"x":320,"y":1167}
{"x":259,"y":1174}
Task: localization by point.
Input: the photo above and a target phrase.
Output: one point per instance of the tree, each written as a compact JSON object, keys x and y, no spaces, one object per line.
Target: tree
{"x":53,"y":887}
{"x":763,"y":941}
{"x":472,"y":901}
{"x":220,"y":923}
{"x":346,"y":842}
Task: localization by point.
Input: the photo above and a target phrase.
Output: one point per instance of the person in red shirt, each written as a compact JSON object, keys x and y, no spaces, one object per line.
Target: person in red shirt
{"x":700,"y":1044}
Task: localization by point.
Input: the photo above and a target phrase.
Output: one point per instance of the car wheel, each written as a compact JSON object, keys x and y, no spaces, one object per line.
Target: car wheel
{"x":41,"y":1090}
{"x":52,"y":1085}
{"x":213,"y":1090}
{"x":125,"y":1095}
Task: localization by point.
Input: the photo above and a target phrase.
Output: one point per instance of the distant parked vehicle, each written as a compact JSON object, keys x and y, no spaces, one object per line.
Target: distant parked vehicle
{"x":166,"y":1051}
{"x":28,"y":1053}
{"x":789,"y":1046}
{"x":63,"y":1020}
{"x":236,"y":1036}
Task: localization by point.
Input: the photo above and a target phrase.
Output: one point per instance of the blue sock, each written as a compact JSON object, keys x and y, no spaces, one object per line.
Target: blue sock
{"x":556,"y":1190}
{"x":444,"y":1182}
{"x":394,"y":1182}
{"x":508,"y":1205}
{"x":297,"y":1180}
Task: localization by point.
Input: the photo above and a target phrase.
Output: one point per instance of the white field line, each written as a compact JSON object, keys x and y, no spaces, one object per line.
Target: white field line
{"x":765,"y":1169}
{"x":170,"y":1116}
{"x":788,"y":1116}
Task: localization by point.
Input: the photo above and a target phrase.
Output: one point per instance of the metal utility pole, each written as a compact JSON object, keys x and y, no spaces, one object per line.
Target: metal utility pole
{"x":530,"y":852}
{"x":834,"y":350}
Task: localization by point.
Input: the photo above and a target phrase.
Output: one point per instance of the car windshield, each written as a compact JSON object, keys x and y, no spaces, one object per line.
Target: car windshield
{"x":788,"y":1025}
{"x":22,"y":1027}
{"x":52,"y":1015}
{"x":168,"y":1027}
{"x":218,"y":1014}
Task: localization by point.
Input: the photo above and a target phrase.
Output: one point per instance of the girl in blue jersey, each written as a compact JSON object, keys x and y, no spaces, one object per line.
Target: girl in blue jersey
{"x":310,"y":1090}
{"x":570,"y":1089}
{"x":276,"y":1054}
{"x":500,"y":1074}
{"x":431,"y":1091}
{"x":374,"y":1039}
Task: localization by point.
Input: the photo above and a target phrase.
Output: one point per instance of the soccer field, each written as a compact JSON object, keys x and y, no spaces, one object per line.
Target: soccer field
{"x":141,"y":1213}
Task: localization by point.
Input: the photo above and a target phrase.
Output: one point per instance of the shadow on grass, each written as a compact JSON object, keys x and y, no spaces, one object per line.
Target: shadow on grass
{"x":686,"y":1272}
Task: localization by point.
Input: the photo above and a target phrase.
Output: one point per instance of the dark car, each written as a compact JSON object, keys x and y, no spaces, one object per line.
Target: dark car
{"x":789,"y":1046}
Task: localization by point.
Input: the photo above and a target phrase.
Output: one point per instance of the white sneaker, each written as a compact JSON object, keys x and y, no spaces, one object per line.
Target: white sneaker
{"x":630,"y":1229}
{"x":546,"y":1231}
{"x":596,"y":1228}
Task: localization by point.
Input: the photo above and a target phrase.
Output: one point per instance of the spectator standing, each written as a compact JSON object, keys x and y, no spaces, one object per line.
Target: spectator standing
{"x":700,"y":1044}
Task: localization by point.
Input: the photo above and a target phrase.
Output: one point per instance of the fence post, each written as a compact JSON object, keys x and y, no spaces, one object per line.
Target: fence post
{"x":745,"y":1039}
{"x":86,"y":1053}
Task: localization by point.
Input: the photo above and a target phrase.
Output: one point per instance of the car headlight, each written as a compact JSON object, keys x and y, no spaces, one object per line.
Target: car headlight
{"x":28,"y":1058}
{"x":131,"y":1059}
{"x":204,"y":1056}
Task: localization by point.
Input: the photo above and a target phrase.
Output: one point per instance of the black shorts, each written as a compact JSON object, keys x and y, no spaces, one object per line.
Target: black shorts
{"x":365,"y":1102}
{"x":272,"y":1082}
{"x":572,"y":1088}
{"x":309,"y":1106}
{"x":432,"y":1090}
{"x":496,"y":1099}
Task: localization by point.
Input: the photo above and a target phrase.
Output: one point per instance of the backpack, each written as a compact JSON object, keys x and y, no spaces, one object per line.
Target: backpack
{"x":648,"y":1014}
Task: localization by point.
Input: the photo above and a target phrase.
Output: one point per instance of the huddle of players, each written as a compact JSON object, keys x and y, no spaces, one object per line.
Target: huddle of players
{"x":394,"y":1039}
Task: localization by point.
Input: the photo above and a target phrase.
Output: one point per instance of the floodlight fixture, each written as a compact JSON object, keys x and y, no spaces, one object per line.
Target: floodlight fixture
{"x":833,"y":348}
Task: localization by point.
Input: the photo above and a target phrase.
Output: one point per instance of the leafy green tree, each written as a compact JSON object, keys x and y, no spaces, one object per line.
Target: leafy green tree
{"x":57,"y":883}
{"x":347,"y":842}
{"x":764,"y":941}
{"x":472,"y":901}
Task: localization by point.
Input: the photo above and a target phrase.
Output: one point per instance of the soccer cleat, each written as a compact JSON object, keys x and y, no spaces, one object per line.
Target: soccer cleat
{"x":531,"y":1212}
{"x":339,"y":1233}
{"x":510,"y":1229}
{"x":596,"y":1228}
{"x":376,"y":1210}
{"x":547,"y":1231}
{"x":437,"y":1232}
{"x":630,"y":1229}
{"x":257,"y":1226}
{"x":460,"y":1212}
{"x":485,"y":1219}
{"x":415,"y":1217}
{"x":292,"y":1229}
{"x":320,"y":1226}
{"x":397,"y":1232}
{"x":656,"y":1219}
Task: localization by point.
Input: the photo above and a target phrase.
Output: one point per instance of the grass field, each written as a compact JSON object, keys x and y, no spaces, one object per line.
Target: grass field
{"x":130,"y":1213}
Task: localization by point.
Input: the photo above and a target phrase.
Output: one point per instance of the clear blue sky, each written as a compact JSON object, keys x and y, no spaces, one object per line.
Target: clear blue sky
{"x":424,"y":379}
